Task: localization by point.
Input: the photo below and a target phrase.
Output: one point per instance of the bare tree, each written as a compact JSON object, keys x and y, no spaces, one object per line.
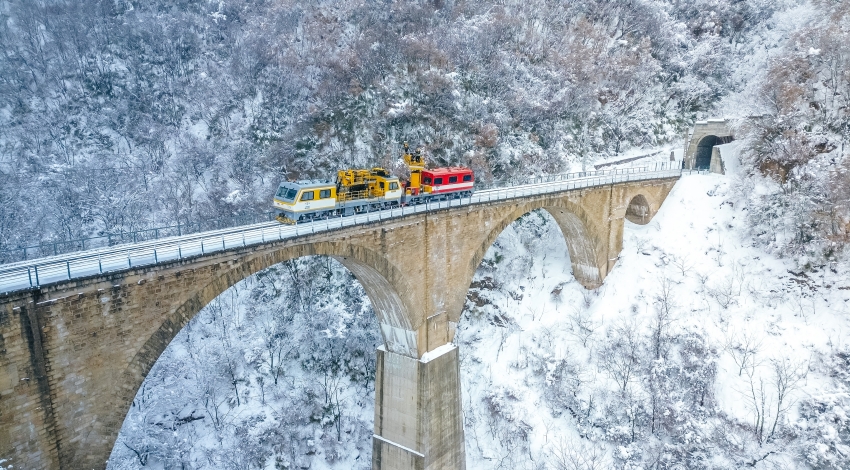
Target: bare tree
{"x":787,"y":376}
{"x":577,"y":454}
{"x":277,"y":344}
{"x":805,"y":305}
{"x":557,"y":297}
{"x":582,"y":324}
{"x":743,"y":347}
{"x":770,"y":400}
{"x":759,"y":404}
{"x":682,"y":263}
{"x":664,"y":316}
{"x":725,"y":292}
{"x":620,"y":357}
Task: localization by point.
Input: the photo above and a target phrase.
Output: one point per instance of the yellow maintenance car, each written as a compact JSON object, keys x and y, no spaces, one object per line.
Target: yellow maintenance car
{"x":354,"y":191}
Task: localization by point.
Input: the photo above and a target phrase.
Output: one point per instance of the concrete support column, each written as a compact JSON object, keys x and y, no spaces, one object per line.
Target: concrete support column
{"x":418,"y":412}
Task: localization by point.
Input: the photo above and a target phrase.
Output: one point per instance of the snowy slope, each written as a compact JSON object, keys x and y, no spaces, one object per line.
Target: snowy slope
{"x":740,"y":319}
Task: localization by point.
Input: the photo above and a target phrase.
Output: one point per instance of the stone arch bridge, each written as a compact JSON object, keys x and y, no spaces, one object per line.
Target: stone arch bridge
{"x":74,"y":353}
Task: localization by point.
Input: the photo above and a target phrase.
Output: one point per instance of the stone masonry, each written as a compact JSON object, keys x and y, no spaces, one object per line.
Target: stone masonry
{"x":73,"y":354}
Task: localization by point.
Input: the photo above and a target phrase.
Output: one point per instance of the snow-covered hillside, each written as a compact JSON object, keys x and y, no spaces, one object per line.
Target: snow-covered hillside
{"x":197,"y":110}
{"x":720,"y":340}
{"x":699,"y":351}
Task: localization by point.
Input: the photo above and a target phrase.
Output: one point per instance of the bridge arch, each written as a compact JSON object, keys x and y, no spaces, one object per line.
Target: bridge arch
{"x":578,"y":231}
{"x":380,"y":279}
{"x":639,"y":210}
{"x":92,"y":339}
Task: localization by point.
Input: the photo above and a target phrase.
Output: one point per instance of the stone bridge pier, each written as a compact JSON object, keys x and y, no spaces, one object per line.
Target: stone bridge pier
{"x":74,"y":354}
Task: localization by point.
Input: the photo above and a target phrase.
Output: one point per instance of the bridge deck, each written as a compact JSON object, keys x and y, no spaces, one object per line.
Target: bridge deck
{"x":41,"y":272}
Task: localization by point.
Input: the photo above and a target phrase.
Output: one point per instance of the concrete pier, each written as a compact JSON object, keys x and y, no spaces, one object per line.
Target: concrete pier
{"x":418,"y":412}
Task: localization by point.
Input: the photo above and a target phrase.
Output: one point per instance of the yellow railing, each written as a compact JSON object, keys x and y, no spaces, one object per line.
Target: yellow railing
{"x":352,"y":195}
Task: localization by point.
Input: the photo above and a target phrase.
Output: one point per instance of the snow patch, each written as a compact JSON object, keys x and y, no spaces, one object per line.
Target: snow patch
{"x":431,"y":355}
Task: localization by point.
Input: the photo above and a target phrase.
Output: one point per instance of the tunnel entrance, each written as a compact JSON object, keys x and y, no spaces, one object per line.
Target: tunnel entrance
{"x":702,"y":158}
{"x":702,"y":161}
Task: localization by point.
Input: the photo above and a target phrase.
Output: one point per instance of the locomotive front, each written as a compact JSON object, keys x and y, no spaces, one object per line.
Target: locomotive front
{"x":299,"y":199}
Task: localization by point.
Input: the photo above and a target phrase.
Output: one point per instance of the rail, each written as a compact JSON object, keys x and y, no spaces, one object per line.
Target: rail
{"x":58,"y":247}
{"x":44,"y":271}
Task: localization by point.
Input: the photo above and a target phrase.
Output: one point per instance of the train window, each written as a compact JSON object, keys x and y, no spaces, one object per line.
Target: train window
{"x":324,"y":194}
{"x":381,"y":184}
{"x":393,"y":186}
{"x":452,"y":179}
{"x":438,"y":181}
{"x":307,"y":196}
{"x":427,"y":180}
{"x":467,"y":177}
{"x":290,"y":195}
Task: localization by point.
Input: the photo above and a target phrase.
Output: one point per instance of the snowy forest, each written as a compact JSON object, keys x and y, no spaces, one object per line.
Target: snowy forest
{"x":143,"y":114}
{"x":721,"y":339}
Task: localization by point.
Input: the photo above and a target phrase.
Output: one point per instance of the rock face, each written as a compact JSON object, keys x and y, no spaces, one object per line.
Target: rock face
{"x":73,"y":354}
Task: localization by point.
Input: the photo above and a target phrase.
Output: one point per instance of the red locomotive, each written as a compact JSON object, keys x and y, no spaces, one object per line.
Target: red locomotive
{"x":436,"y":183}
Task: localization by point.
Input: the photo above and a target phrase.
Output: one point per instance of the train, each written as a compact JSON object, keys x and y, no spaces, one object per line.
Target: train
{"x":355,"y":191}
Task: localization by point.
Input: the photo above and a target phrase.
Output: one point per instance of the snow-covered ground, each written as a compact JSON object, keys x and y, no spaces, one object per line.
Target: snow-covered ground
{"x":694,"y":346}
